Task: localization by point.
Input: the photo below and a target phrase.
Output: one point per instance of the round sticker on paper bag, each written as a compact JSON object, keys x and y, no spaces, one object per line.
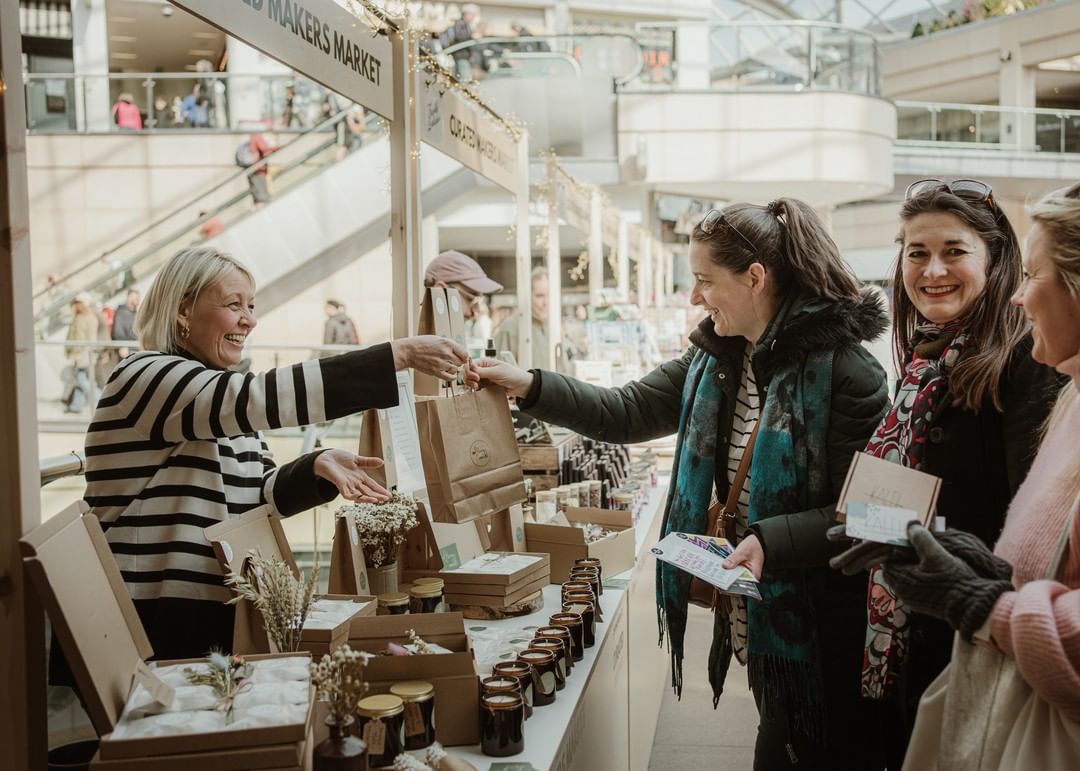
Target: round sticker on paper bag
{"x":479,"y":453}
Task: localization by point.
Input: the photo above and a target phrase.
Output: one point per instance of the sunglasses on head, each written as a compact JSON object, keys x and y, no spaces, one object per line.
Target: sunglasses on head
{"x":968,"y":189}
{"x":715,"y":218}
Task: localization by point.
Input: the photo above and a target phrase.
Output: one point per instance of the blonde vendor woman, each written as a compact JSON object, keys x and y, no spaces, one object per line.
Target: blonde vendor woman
{"x":175,"y":444}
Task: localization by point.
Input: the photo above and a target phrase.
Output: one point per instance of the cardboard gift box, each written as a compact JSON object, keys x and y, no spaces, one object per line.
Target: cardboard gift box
{"x":259,"y":531}
{"x":876,"y":480}
{"x":94,"y":619}
{"x":475,"y":575}
{"x":454,"y":676}
{"x":566,"y":543}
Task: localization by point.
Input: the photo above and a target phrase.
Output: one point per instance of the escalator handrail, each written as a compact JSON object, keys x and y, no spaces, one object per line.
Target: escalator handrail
{"x":475,"y":42}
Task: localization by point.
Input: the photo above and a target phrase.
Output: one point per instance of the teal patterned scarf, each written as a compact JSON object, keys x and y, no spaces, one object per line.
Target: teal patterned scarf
{"x":789,"y":474}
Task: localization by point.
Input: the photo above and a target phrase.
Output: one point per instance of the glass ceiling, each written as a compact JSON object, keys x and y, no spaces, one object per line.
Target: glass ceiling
{"x":887,"y":18}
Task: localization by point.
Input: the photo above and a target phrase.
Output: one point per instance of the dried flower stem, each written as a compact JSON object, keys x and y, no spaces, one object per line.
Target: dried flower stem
{"x":279,"y":596}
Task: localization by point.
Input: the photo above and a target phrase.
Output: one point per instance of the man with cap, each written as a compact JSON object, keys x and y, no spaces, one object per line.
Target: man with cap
{"x":461,"y":272}
{"x":507,"y":336}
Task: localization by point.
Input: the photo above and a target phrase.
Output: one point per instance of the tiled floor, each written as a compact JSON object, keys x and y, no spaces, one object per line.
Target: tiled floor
{"x":690,"y":735}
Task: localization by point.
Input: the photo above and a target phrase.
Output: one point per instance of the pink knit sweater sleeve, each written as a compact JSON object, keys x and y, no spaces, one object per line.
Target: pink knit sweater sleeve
{"x":1039,"y":626}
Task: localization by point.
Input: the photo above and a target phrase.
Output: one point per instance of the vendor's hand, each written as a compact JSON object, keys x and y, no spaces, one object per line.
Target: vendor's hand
{"x":516,"y":381}
{"x":430,"y":354}
{"x":944,"y":585}
{"x":749,"y":554}
{"x":345,"y":470}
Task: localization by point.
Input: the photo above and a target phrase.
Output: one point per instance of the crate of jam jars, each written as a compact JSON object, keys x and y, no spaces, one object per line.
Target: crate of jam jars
{"x":430,"y":647}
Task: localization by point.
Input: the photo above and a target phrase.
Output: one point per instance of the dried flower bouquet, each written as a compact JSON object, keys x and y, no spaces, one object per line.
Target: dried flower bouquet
{"x":281,"y":598}
{"x":381,"y":527}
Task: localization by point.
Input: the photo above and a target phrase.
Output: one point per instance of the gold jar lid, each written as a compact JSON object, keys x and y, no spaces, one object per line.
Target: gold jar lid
{"x":429,"y":580}
{"x":384,"y":705}
{"x":413,"y":690}
{"x":426,"y":590}
{"x":536,"y":656}
{"x":499,"y":701}
{"x":393,"y":598}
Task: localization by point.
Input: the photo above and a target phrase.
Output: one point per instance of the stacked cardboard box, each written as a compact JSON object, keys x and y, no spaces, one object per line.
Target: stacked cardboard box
{"x":566,"y":541}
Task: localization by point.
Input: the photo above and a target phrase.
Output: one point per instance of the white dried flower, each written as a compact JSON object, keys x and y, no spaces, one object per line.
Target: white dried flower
{"x":381,"y":527}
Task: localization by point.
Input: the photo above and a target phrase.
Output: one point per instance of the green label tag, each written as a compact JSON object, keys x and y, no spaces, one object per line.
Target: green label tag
{"x":519,"y":534}
{"x":451,"y":559}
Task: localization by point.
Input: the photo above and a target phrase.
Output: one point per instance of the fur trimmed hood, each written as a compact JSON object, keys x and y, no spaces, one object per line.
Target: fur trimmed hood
{"x":805,"y":324}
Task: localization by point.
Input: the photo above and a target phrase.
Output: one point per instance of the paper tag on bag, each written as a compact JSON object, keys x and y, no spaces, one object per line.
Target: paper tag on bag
{"x":159,"y":690}
{"x":375,"y":737}
{"x":881,"y":524}
{"x":414,"y":719}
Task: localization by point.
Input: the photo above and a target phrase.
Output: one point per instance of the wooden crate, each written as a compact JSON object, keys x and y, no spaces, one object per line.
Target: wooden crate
{"x":546,"y":458}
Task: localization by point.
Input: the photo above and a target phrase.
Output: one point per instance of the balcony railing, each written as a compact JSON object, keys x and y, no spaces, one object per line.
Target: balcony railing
{"x":175,"y":101}
{"x":605,"y":55}
{"x":977,"y":126}
{"x":761,"y":55}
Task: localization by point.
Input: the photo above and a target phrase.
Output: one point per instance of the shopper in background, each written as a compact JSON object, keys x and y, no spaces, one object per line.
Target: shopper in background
{"x":459,"y":32}
{"x":258,"y":178}
{"x":781,"y":351}
{"x":339,"y":328}
{"x":459,"y":271}
{"x":507,"y":336}
{"x":125,"y":114}
{"x":84,"y":328}
{"x":968,"y":409}
{"x":202,"y":457}
{"x":1002,"y":599}
{"x":123,"y":326}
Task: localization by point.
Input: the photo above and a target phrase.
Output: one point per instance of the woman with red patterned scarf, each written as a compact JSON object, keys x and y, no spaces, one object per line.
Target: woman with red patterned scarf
{"x":968,"y":407}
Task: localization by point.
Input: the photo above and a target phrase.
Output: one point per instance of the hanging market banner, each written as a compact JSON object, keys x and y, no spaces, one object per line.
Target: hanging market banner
{"x":318,"y":38}
{"x":576,"y":206}
{"x":610,"y":221}
{"x":456,"y":125}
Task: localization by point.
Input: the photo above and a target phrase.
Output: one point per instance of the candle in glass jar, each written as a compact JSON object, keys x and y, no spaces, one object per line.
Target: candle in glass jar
{"x":555,"y":645}
{"x":585,"y":607}
{"x":502,"y":724}
{"x":418,"y":697}
{"x":563,"y":634}
{"x":572,"y":621}
{"x":544,"y":674}
{"x":522,"y":673}
{"x":379,"y":722}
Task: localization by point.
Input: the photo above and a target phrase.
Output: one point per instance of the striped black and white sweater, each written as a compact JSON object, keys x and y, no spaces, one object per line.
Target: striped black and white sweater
{"x":175,"y":446}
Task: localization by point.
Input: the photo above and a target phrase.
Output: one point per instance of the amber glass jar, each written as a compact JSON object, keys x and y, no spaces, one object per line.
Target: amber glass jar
{"x":389,"y":711}
{"x":555,"y":645}
{"x":500,"y":684}
{"x":562,"y":634}
{"x":419,"y":721}
{"x":523,"y":674}
{"x":544,"y":674}
{"x":574,"y":585}
{"x":425,"y":595}
{"x":585,"y":604}
{"x":502,"y":724}
{"x":591,"y":576}
{"x":572,"y":621}
{"x":591,"y":562}
{"x":393,"y":604}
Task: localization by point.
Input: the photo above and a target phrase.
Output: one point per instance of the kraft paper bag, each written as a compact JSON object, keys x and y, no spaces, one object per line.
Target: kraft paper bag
{"x":434,"y":320}
{"x":470,"y":454}
{"x":348,"y":568}
{"x":377,"y":442}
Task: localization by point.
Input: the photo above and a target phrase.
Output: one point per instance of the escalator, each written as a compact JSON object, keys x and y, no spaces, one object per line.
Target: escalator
{"x":329,"y":207}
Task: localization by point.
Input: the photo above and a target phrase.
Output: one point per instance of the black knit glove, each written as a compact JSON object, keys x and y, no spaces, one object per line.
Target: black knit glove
{"x":946,"y":585}
{"x":864,"y":554}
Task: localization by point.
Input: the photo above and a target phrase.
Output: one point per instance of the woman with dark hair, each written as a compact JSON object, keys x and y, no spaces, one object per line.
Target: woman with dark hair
{"x":777,"y":370}
{"x":968,"y":409}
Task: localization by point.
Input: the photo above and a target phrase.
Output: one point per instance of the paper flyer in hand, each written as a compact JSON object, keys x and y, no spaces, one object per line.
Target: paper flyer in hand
{"x":703,"y":557}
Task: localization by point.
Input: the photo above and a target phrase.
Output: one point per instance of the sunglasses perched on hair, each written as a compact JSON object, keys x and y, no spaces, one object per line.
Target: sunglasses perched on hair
{"x":715,"y":218}
{"x":968,"y":189}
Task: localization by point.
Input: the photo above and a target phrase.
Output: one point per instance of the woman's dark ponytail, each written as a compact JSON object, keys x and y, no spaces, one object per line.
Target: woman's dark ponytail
{"x":813,"y":258}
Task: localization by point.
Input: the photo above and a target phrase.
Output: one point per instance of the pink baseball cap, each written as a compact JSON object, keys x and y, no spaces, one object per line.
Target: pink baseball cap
{"x":452,"y":267}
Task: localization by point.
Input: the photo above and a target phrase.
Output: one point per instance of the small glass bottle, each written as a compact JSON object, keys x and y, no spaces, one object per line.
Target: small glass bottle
{"x":419,"y":717}
{"x":596,"y":489}
{"x":562,"y":634}
{"x":544,"y":675}
{"x":393,"y":604}
{"x":546,"y":505}
{"x":622,"y":501}
{"x":379,"y":721}
{"x":583,"y":604}
{"x":502,"y":724}
{"x":555,"y":645}
{"x":523,"y":674}
{"x":562,"y":497}
{"x":572,"y":621}
{"x":426,"y":597}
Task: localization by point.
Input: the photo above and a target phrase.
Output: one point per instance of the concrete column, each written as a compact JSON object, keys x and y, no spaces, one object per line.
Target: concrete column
{"x":23,"y":728}
{"x":554,"y":262}
{"x":692,"y":50}
{"x":1016,"y":88}
{"x":247,"y":97}
{"x":90,"y":55}
{"x":406,"y":211}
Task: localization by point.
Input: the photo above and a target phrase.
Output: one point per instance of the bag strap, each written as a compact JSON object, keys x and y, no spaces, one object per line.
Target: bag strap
{"x":1063,"y":541}
{"x":730,"y":512}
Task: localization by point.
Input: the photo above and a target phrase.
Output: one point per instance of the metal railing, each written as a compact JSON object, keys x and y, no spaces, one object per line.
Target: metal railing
{"x":59,"y":466}
{"x":977,"y":126}
{"x":173,"y":102}
{"x":615,"y":55}
{"x":765,"y":55}
{"x":143,"y":252}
